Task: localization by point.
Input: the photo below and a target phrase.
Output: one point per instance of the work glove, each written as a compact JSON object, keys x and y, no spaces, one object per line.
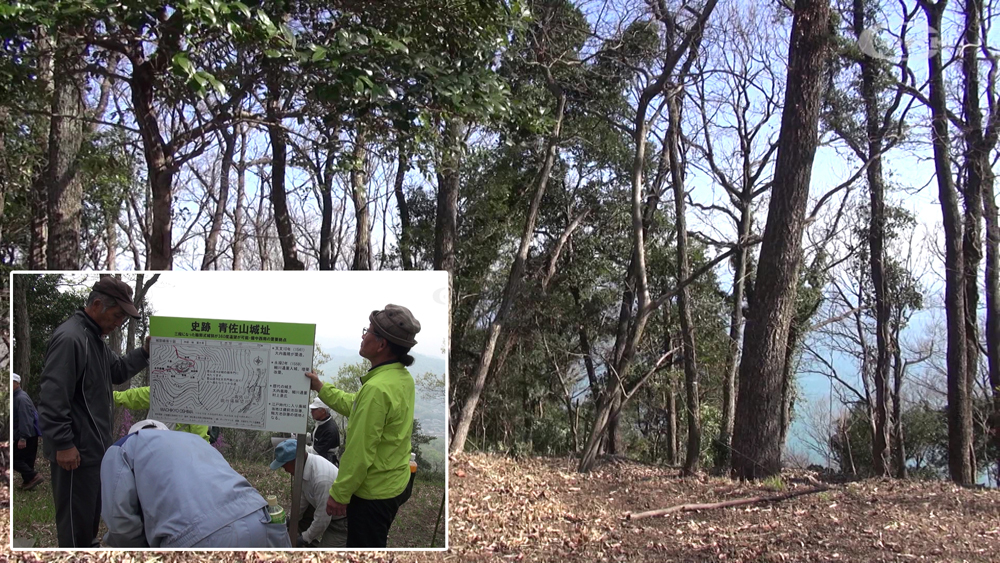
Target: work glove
{"x":301,"y":542}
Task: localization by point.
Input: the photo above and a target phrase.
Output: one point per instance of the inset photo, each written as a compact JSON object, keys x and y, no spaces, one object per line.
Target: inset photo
{"x":229,"y":410}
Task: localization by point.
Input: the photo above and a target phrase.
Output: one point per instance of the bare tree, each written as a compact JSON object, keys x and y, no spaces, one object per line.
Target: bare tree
{"x":749,"y":90}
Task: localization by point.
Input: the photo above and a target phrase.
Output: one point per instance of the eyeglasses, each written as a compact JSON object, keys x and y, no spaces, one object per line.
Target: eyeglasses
{"x":365,"y":331}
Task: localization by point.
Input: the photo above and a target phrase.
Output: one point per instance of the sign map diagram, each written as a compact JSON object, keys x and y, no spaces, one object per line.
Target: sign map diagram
{"x":221,"y":380}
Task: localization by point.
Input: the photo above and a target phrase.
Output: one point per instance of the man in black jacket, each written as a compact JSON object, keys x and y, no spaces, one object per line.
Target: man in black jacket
{"x":75,"y":406}
{"x":25,"y":437}
{"x":326,"y":436}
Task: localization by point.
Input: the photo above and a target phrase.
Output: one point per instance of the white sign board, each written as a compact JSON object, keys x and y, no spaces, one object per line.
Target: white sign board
{"x":234,"y":374}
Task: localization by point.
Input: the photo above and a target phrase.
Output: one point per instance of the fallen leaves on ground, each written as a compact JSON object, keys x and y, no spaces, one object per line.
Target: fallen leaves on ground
{"x":541,"y":509}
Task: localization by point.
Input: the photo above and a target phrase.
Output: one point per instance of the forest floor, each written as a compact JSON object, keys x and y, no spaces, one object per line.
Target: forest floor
{"x":541,"y":509}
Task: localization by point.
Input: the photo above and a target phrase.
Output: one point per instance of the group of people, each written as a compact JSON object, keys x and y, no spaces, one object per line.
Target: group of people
{"x":163,"y":487}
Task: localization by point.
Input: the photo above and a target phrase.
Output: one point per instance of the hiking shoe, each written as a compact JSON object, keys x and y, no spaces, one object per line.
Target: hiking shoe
{"x":33,"y":483}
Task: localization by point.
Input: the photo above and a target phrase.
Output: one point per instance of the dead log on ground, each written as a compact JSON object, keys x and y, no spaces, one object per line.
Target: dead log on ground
{"x":725,"y":504}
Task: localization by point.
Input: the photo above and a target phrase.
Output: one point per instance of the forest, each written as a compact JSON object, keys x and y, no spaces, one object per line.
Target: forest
{"x":660,"y":217}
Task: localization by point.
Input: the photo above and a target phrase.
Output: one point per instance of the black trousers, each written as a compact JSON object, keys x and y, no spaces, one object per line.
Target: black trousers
{"x":24,"y":460}
{"x":368,"y":521}
{"x":77,"y":497}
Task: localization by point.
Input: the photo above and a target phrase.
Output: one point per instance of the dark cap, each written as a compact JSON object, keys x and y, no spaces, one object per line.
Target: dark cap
{"x":396,"y":324}
{"x":120,"y":291}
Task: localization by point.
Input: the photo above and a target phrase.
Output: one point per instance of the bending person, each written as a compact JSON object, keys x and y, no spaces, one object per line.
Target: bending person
{"x":316,"y":527}
{"x":138,"y":398}
{"x":161,"y":488}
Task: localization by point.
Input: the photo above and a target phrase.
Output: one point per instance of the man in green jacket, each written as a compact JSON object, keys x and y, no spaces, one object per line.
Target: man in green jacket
{"x":375,"y":478}
{"x":138,"y":398}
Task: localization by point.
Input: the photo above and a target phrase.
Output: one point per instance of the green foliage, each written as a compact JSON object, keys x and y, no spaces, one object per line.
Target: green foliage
{"x":49,"y":304}
{"x":420,"y":443}
{"x":434,"y":455}
{"x":925,"y":430}
{"x":430,"y":386}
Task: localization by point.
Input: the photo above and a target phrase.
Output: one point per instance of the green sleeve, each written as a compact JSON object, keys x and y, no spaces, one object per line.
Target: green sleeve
{"x":363,"y":437}
{"x":337,"y":400}
{"x":196,"y":429}
{"x":135,"y":398}
{"x":138,"y":398}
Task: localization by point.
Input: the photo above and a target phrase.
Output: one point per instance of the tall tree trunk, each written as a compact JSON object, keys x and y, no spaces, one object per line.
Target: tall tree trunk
{"x":39,"y":222}
{"x":279,"y":163}
{"x":612,"y":387}
{"x":241,"y":178}
{"x":211,"y":243}
{"x":876,"y":247}
{"x":673,"y":439}
{"x":262,"y":225}
{"x":513,"y":284}
{"x":725,"y":441}
{"x":22,"y":327}
{"x":972,"y":254}
{"x":159,"y":168}
{"x":4,"y":167}
{"x":691,"y":383}
{"x":787,"y":388}
{"x":898,"y":445}
{"x":402,"y":165}
{"x":758,"y":407}
{"x":111,"y":236}
{"x":65,"y":188}
{"x":446,"y":220}
{"x":959,"y":402}
{"x":993,"y":308}
{"x":359,"y":194}
{"x":326,"y":261}
{"x":39,"y":189}
{"x":978,"y":187}
{"x":628,"y":334}
{"x":614,"y":445}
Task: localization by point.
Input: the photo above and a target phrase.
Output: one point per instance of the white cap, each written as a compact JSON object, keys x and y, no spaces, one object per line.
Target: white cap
{"x":317,"y":404}
{"x":148,"y":423}
{"x":17,"y":378}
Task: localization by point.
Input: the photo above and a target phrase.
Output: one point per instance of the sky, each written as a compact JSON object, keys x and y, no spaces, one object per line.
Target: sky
{"x":338,"y":303}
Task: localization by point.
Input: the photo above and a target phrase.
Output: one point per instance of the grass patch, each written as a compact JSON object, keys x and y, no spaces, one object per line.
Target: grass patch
{"x":774,"y":483}
{"x":34,"y":515}
{"x":33,"y":512}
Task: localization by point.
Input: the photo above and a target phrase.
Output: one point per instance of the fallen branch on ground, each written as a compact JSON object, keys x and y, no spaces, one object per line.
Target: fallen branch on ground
{"x":725,"y":504}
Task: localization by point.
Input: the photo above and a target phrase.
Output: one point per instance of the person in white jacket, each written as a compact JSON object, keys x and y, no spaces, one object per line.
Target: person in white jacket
{"x":318,"y":474}
{"x":163,"y":488}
